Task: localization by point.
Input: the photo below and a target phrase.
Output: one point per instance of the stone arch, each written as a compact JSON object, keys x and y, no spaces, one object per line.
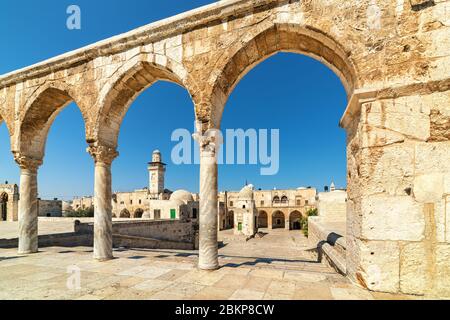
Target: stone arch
{"x":138,"y":213}
{"x":128,"y":83}
{"x":125,"y":214}
{"x":278,"y":220}
{"x":263,"y":219}
{"x":41,"y":109}
{"x":295,"y":220}
{"x":4,"y":206}
{"x":243,"y":57}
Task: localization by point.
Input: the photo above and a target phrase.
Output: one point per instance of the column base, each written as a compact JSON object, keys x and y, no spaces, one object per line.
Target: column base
{"x":27,"y":252}
{"x":209,"y":267}
{"x":103,"y":259}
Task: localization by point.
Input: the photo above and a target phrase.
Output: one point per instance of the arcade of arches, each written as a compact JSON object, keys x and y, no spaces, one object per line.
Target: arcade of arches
{"x":397,"y":121}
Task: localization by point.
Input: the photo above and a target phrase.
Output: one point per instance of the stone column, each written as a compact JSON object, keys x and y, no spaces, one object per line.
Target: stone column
{"x":208,"y":219}
{"x":103,"y":242}
{"x":269,"y":221}
{"x":28,"y":205}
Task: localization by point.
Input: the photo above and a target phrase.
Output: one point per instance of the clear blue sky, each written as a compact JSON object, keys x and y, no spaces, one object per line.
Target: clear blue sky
{"x":295,"y":94}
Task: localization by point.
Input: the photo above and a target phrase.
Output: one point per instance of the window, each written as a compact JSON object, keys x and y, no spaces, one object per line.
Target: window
{"x":121,"y":202}
{"x":299,"y":202}
{"x":157,"y":214}
{"x":284,"y":199}
{"x":262,"y":202}
{"x":306,"y":202}
{"x":131,"y":201}
{"x":276,"y":199}
{"x":243,"y":207}
{"x":194,"y":213}
{"x":140,"y":201}
{"x":231,"y":203}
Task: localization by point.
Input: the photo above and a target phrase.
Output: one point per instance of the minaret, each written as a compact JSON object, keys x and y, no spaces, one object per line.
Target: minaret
{"x":332,"y":187}
{"x":156,"y":171}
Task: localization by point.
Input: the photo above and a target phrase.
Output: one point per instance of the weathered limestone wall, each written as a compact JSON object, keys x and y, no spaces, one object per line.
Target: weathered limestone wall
{"x":399,"y":174}
{"x":332,"y":206}
{"x":161,"y":230}
{"x":50,"y":208}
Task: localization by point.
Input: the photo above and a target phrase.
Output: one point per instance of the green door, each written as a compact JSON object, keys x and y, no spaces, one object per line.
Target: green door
{"x":240,"y":226}
{"x":173,"y":214}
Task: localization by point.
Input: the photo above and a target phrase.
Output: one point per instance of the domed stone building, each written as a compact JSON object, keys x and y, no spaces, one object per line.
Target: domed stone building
{"x":245,"y":214}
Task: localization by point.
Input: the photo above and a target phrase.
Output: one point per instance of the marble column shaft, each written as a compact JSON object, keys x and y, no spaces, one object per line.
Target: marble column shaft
{"x":208,"y":218}
{"x":28,"y":205}
{"x":103,"y":239}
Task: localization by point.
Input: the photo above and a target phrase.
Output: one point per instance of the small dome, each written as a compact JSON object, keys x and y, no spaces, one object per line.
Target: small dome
{"x":246,"y":193}
{"x":156,"y":156}
{"x":182,"y":195}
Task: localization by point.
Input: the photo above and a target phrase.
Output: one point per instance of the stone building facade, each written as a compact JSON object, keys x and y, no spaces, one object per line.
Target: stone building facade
{"x":153,"y":202}
{"x":392,"y":58}
{"x":332,"y":205}
{"x":9,"y":202}
{"x":50,"y":208}
{"x":245,"y":213}
{"x":276,"y":208}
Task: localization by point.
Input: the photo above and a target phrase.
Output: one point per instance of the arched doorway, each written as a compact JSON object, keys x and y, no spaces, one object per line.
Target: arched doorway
{"x":295,"y":220}
{"x":138,"y":213}
{"x":278,"y":220}
{"x":4,"y":207}
{"x":231,"y":219}
{"x":263,"y":220}
{"x":124,"y":214}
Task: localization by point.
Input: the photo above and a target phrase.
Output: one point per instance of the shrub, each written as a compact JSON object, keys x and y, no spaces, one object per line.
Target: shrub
{"x":81,"y":213}
{"x":304,"y":220}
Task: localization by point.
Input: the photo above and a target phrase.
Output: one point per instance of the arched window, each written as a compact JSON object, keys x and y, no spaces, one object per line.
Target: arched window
{"x":284,"y":199}
{"x":276,"y":199}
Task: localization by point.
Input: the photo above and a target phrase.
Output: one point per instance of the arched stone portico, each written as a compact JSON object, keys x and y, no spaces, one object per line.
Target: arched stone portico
{"x":397,"y":119}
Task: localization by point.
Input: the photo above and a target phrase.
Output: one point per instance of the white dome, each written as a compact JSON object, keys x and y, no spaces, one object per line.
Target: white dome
{"x":182,"y":195}
{"x":246,"y":193}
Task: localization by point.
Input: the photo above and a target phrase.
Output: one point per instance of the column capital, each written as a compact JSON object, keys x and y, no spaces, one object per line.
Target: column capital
{"x":103,"y":154}
{"x":209,"y":141}
{"x":27,"y":162}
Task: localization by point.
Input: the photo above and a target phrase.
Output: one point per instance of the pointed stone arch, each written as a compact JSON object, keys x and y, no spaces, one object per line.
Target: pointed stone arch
{"x":40,"y":111}
{"x":263,"y":219}
{"x":275,"y":38}
{"x":278,"y":219}
{"x":138,"y":213}
{"x":134,"y":77}
{"x":295,"y":220}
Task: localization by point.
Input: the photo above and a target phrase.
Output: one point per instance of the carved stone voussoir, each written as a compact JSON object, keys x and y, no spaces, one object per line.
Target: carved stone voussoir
{"x":103,"y":154}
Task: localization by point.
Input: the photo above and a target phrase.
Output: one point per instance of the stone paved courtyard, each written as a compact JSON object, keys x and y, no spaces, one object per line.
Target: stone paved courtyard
{"x":277,"y":266}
